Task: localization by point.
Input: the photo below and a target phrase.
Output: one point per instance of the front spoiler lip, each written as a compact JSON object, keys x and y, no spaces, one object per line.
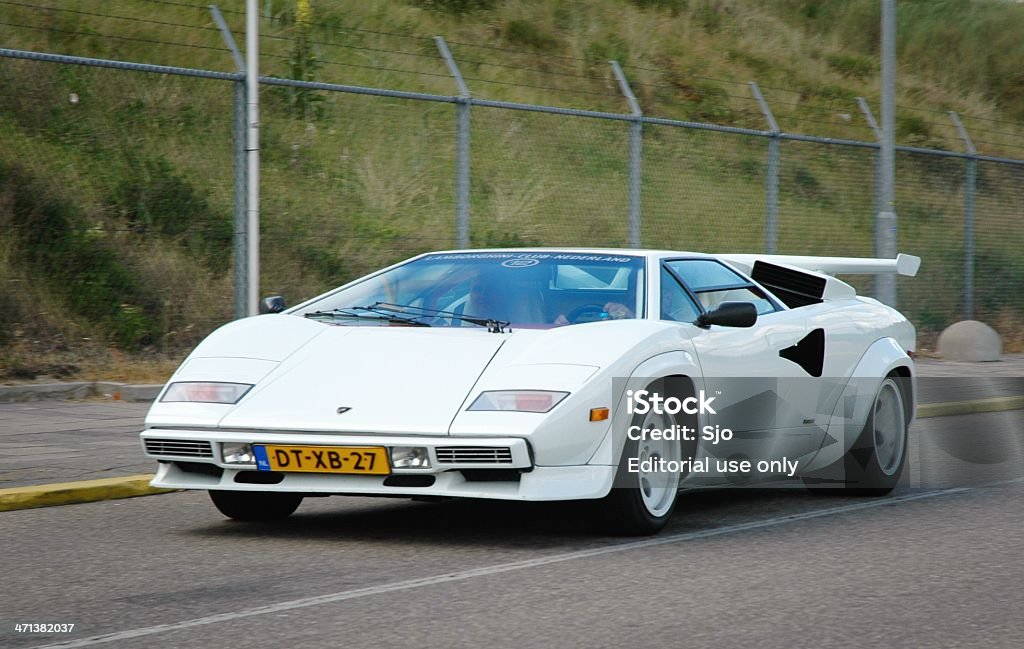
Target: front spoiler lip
{"x":583,"y":482}
{"x":521,"y":455}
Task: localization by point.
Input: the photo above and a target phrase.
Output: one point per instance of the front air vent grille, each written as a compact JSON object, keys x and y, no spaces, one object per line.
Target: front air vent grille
{"x":179,"y":448}
{"x":474,"y":454}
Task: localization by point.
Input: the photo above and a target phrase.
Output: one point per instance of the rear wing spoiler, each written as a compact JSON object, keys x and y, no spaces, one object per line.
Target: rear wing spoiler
{"x":903,"y":264}
{"x":800,"y":281}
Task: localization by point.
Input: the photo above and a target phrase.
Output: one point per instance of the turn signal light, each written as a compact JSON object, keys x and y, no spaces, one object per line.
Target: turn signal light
{"x":598,"y":414}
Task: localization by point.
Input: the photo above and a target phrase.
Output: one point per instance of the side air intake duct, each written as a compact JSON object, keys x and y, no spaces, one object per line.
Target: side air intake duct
{"x":794,"y":288}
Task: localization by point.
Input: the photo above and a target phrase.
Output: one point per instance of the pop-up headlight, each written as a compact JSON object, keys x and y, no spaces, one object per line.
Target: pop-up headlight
{"x":518,"y":400}
{"x":205,"y":392}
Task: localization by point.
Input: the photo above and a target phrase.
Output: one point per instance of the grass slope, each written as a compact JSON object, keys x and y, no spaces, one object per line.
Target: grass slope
{"x":116,"y":188}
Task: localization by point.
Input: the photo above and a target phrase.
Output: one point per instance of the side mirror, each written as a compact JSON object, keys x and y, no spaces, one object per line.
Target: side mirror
{"x":272,"y":304}
{"x":729,"y":314}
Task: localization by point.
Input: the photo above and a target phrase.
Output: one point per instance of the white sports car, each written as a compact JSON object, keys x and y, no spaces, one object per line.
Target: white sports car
{"x":610,"y":376}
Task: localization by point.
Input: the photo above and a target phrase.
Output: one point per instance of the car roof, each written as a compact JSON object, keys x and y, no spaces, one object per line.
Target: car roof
{"x":637,"y":252}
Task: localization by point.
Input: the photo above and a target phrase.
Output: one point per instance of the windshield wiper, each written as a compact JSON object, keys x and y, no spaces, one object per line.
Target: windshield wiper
{"x":494,"y":326}
{"x":371,"y":314}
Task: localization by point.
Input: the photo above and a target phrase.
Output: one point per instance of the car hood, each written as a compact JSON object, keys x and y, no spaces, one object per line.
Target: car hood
{"x":391,"y":380}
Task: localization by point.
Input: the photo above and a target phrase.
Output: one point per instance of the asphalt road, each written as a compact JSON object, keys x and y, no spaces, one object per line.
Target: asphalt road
{"x":939,"y":564}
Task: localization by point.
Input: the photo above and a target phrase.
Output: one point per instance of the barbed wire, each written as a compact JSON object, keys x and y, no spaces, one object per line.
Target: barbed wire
{"x":538,"y":70}
{"x":963,"y":116}
{"x":435,"y":57}
{"x":527,"y":85}
{"x":975,"y":129}
{"x":346,"y":28}
{"x":204,"y":8}
{"x":496,"y":48}
{"x":688,"y":76}
{"x":939,"y":124}
{"x":1000,"y":145}
{"x":991,"y":119}
{"x":101,"y":15}
{"x":361,"y":66}
{"x":950,"y":125}
{"x":149,"y":41}
{"x":265,"y":236}
{"x":806,"y":120}
{"x":448,"y":76}
{"x":715,"y":79}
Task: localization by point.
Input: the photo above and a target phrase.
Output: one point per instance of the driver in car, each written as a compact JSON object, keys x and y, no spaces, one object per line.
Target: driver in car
{"x":615,"y":311}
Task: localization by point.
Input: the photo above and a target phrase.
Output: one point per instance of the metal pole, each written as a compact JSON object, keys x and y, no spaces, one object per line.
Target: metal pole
{"x":636,"y":153}
{"x":876,"y":205}
{"x":252,"y":150}
{"x":771,"y":194}
{"x":229,"y":38}
{"x":885,"y":221}
{"x":238,"y":146}
{"x":462,"y":150}
{"x":240,"y":220}
{"x":970,"y":185}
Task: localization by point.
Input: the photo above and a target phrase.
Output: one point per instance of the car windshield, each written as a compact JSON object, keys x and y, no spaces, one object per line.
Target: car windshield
{"x":526,"y":289}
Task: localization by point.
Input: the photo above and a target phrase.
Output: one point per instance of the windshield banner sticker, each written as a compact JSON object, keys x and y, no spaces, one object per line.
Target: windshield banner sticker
{"x":536,"y":256}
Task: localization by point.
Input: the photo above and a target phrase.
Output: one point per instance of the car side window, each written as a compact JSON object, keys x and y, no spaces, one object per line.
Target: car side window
{"x":714,"y":283}
{"x":676,"y":303}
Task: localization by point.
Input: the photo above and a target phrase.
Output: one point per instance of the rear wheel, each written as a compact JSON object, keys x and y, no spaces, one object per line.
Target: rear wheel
{"x":873,"y":465}
{"x":255,"y":505}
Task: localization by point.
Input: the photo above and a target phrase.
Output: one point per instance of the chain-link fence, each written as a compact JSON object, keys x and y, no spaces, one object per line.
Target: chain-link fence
{"x":136,"y":229}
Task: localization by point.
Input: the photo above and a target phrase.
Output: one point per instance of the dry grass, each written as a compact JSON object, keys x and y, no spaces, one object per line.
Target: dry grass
{"x":27,"y":361}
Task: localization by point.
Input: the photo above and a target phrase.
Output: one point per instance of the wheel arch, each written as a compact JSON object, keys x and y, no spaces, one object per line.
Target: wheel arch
{"x":907,"y":382}
{"x":883,"y":358}
{"x":681,"y":365}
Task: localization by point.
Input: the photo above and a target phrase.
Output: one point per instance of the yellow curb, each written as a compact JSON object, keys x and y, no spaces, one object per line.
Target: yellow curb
{"x":84,"y":491}
{"x":995,"y":404}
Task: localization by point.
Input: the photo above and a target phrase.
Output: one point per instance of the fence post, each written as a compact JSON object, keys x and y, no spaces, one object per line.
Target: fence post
{"x":636,"y":153}
{"x":241,"y":226}
{"x":970,"y":185}
{"x":241,"y":220}
{"x":461,"y":147}
{"x":886,"y":234}
{"x":880,"y":279}
{"x":771,"y":197}
{"x":870,"y":118}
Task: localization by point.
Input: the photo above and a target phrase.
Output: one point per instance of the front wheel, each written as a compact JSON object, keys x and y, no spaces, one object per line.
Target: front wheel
{"x":873,"y":465}
{"x":644,"y":492}
{"x":255,"y":505}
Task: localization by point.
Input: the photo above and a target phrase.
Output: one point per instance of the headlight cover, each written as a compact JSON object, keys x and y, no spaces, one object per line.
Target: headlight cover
{"x":237,"y":453}
{"x":410,"y":457}
{"x":518,"y":400}
{"x":205,"y":392}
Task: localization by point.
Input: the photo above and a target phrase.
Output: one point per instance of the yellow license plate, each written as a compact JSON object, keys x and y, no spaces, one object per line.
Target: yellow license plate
{"x":368,"y":460}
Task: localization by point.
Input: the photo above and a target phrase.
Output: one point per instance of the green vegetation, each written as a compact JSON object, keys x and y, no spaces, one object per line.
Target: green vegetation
{"x":525,"y":33}
{"x":116,"y":188}
{"x":970,"y":46}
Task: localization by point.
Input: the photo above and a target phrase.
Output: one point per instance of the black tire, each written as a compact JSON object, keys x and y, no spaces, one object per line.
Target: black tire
{"x":875,"y":462}
{"x":255,"y":505}
{"x":625,"y":511}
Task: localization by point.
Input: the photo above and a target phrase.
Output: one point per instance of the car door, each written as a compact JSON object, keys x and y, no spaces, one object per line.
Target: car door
{"x":765,"y":397}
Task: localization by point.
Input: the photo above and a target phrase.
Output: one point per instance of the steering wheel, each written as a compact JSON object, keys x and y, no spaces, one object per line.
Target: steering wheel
{"x":587,"y":313}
